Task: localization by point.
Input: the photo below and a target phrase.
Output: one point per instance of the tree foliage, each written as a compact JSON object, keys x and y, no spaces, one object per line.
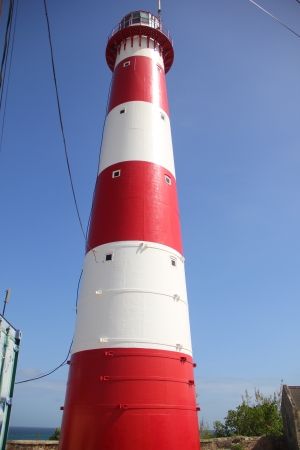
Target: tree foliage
{"x":258,"y":417}
{"x":56,"y":435}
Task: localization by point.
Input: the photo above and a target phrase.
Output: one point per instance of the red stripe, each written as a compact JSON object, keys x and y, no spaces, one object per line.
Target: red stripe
{"x":130,"y":399}
{"x":139,"y":205}
{"x":142,"y":80}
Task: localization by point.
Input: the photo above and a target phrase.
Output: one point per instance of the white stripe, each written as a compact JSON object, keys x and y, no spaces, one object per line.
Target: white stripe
{"x":138,"y":299}
{"x":141,"y":133}
{"x":139,"y":50}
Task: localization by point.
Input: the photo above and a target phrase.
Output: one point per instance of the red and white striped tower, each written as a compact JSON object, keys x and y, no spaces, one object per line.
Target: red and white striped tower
{"x":131,"y":382}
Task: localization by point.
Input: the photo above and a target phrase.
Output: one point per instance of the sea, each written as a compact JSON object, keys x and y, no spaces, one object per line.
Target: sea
{"x":29,"y":433}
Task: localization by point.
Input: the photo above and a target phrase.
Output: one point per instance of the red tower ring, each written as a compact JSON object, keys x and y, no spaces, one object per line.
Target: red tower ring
{"x":121,"y":33}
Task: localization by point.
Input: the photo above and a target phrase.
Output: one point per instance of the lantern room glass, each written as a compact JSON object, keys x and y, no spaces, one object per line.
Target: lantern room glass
{"x":140,"y":18}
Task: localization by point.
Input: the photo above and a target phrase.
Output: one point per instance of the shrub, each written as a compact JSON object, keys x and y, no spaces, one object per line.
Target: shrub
{"x":237,"y":447}
{"x":55,"y":436}
{"x":258,"y":417}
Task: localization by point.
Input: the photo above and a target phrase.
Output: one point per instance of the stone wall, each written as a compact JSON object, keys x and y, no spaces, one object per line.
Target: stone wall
{"x":32,"y":445}
{"x":290,"y":410}
{"x":243,"y":443}
{"x":238,"y":443}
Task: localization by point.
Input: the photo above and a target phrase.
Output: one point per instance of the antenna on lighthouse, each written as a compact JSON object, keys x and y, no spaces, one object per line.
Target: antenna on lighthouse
{"x":159,"y":8}
{"x":6,"y":300}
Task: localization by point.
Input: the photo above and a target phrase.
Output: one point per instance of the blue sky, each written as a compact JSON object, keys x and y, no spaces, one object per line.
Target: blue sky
{"x":234,"y":96}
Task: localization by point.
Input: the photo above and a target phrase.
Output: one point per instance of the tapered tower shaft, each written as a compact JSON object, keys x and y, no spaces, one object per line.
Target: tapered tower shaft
{"x":131,"y":383}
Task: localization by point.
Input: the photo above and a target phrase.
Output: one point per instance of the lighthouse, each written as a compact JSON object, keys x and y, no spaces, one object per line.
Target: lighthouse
{"x":131,"y":379}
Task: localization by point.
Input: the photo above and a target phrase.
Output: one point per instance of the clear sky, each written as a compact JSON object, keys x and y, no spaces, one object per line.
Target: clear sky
{"x":234,"y":93}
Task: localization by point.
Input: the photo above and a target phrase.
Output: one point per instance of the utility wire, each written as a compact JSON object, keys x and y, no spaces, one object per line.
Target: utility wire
{"x":85,"y":234}
{"x":77,"y":292}
{"x":275,"y":18}
{"x":61,"y":121}
{"x":8,"y":75}
{"x":6,"y":40}
{"x":6,"y":49}
{"x":81,"y":273}
{"x":51,"y":371}
{"x":69,"y":351}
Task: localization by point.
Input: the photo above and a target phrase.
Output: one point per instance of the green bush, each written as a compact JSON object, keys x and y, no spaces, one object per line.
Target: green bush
{"x":258,"y":417}
{"x":237,"y":447}
{"x":55,"y":436}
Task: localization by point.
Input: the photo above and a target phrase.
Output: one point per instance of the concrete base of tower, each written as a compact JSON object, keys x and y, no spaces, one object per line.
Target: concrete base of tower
{"x":130,"y":399}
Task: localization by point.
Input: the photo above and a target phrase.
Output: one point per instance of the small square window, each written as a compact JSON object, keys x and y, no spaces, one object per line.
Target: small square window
{"x":162,"y":116}
{"x":173,"y":262}
{"x":168,"y":180}
{"x":122,"y":111}
{"x":126,"y":64}
{"x":116,"y":173}
{"x":108,"y":257}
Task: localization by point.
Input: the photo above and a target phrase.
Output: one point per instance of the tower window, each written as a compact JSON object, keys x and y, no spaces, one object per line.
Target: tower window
{"x":168,"y":180}
{"x":108,"y":257}
{"x":126,"y":64}
{"x":173,"y":262}
{"x":116,"y":173}
{"x":122,"y":111}
{"x":162,"y":116}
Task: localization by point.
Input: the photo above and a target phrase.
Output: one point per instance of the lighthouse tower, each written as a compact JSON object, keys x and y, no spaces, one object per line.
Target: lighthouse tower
{"x":131,"y":382}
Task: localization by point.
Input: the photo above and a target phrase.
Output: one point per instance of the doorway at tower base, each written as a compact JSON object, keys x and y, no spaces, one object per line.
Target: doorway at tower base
{"x":130,"y":399}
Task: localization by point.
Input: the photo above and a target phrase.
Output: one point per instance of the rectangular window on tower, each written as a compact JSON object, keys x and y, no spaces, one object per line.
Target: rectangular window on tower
{"x":116,"y":173}
{"x":168,"y":180}
{"x":126,"y":64}
{"x":173,"y":262}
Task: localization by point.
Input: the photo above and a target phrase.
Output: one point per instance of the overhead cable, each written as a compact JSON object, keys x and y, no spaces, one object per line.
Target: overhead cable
{"x":64,"y":362}
{"x":14,"y":21}
{"x":48,"y":373}
{"x":74,"y":197}
{"x":61,"y":121}
{"x":6,"y":40}
{"x":275,"y":18}
{"x":6,"y":50}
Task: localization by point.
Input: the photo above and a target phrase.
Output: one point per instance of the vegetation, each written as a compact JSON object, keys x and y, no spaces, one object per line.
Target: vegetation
{"x":55,"y":436}
{"x":258,"y":417}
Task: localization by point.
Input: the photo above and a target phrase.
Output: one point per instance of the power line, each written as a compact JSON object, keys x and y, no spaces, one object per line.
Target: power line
{"x":61,"y":121}
{"x":77,"y":292}
{"x":69,"y":351}
{"x":275,"y":18}
{"x":51,"y":371}
{"x":8,"y":76}
{"x":6,"y":49}
{"x":6,"y":40}
{"x":74,"y":197}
